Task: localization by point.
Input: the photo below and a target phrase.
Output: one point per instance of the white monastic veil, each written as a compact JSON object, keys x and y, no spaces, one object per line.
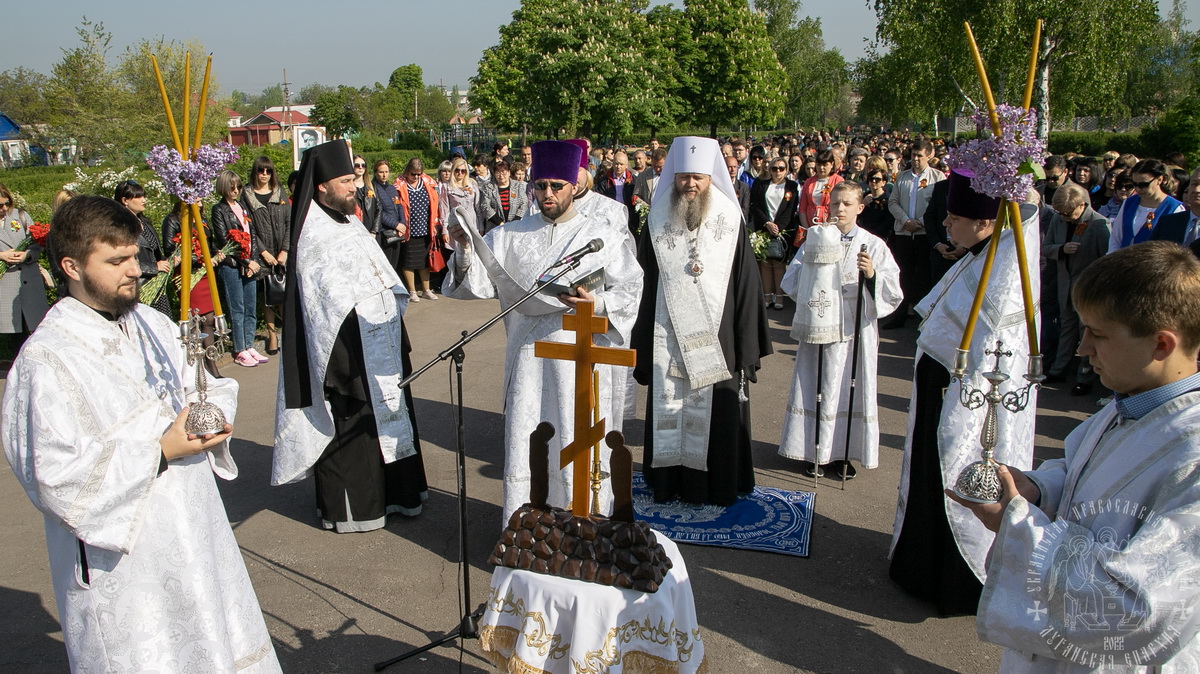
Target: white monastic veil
{"x":695,"y":154}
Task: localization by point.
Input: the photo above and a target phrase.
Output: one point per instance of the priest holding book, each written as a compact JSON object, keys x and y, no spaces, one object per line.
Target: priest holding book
{"x":516,"y":256}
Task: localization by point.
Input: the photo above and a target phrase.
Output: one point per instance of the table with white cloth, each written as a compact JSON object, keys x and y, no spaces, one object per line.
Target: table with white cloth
{"x":538,"y":623}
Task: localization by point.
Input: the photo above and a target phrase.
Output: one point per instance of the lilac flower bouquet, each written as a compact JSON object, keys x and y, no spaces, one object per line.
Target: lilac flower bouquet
{"x":191,"y":179}
{"x":1005,"y":166}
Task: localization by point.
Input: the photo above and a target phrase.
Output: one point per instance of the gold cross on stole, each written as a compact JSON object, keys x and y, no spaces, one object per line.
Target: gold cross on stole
{"x":586,"y":355}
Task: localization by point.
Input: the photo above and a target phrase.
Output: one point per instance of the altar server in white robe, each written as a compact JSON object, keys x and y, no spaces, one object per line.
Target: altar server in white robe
{"x":542,"y":389}
{"x":938,"y":547}
{"x":147,"y":573}
{"x":1096,"y":561}
{"x":339,"y":412}
{"x":823,"y":280}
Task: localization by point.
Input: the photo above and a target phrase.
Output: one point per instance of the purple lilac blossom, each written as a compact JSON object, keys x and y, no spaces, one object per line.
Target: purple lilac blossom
{"x":996,"y":160}
{"x":191,"y":180}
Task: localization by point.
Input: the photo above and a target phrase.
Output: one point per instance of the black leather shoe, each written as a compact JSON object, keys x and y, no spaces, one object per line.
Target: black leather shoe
{"x":1081,"y":389}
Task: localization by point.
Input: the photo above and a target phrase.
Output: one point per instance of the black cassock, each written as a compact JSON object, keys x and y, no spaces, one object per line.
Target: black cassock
{"x":351,"y":473}
{"x":744,"y":341}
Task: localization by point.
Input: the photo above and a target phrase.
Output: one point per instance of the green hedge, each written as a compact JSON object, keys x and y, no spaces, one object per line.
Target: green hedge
{"x":1096,"y":143}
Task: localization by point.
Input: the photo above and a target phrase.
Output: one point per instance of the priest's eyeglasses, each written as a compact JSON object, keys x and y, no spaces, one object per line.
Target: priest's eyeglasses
{"x":550,"y":185}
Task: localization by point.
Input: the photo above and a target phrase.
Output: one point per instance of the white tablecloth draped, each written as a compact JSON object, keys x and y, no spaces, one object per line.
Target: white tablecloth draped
{"x":537,"y":623}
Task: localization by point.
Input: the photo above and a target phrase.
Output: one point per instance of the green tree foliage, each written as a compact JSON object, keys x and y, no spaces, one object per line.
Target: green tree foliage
{"x":312,"y":92}
{"x":815,"y":75}
{"x":116,"y":111}
{"x":1178,"y":130}
{"x":1166,"y":71}
{"x":738,"y":78}
{"x":921,"y":65}
{"x":574,"y":66}
{"x":407,"y":78}
{"x":21,"y":95}
{"x":335,"y":110}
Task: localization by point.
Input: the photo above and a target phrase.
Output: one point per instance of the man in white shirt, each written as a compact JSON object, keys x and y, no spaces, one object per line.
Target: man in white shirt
{"x":909,"y":244}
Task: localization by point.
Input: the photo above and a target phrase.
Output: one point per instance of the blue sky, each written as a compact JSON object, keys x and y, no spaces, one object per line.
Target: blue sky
{"x":361,"y":43}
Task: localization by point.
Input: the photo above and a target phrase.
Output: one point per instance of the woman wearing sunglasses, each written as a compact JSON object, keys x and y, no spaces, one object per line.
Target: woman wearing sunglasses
{"x":270,"y":222}
{"x":773,"y":210}
{"x":1145,"y":208}
{"x":421,"y":207}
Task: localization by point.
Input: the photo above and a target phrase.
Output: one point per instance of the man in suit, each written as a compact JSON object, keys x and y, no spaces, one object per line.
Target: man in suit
{"x":1182,"y":227}
{"x":741,"y":189}
{"x":639,"y":162}
{"x":909,"y":242}
{"x":618,"y":185}
{"x":1075,"y":237}
{"x":644,"y":184}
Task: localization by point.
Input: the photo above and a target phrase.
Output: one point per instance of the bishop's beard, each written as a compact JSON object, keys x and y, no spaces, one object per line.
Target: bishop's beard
{"x":690,"y":212}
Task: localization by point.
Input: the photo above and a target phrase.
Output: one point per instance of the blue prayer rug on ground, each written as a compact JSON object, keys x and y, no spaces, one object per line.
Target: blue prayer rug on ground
{"x":769,"y":519}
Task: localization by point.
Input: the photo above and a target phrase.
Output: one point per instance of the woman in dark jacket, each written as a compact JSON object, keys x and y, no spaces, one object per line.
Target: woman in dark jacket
{"x":391,"y":215}
{"x":150,"y":253}
{"x":236,"y":273}
{"x":201,"y":297}
{"x":773,"y":210}
{"x":270,"y":223}
{"x":364,"y":194}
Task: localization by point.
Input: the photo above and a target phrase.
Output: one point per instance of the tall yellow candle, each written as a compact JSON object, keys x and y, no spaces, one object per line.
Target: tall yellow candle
{"x":1033,"y":59}
{"x":185,"y":263}
{"x":162,"y":90}
{"x":208,"y":263}
{"x":203,"y":105}
{"x":187,"y":103}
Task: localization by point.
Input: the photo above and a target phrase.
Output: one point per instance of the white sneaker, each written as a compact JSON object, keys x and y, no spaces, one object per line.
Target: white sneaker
{"x":414,"y":297}
{"x":256,"y":355}
{"x":428,"y":294}
{"x":245,"y":359}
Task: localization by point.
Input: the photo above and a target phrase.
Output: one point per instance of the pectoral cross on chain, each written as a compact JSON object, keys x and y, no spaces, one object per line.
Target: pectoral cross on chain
{"x":820,"y":304}
{"x":586,"y":355}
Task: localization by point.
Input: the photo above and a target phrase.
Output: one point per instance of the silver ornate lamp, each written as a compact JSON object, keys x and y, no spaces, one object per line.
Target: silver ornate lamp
{"x":979,"y":482}
{"x":204,"y":418}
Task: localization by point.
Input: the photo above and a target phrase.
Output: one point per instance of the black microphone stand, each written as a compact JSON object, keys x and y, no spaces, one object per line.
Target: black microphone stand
{"x":468,"y":626}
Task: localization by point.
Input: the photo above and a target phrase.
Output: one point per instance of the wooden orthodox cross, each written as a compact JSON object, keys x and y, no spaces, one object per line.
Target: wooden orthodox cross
{"x":586,"y":356}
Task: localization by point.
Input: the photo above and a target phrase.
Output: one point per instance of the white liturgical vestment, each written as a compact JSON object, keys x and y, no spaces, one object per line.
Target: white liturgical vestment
{"x":146,"y":570}
{"x":542,"y":389}
{"x":341,"y":268}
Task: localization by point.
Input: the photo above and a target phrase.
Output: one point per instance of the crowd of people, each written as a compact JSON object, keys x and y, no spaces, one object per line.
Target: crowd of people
{"x":701,"y":242}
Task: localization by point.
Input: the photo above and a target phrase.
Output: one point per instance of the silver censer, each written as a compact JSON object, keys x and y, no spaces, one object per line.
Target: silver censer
{"x":979,"y":482}
{"x":204,"y":418}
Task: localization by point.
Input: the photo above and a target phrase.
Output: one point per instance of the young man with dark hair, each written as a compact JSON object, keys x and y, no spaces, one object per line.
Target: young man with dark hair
{"x":146,"y":570}
{"x":1095,"y":560}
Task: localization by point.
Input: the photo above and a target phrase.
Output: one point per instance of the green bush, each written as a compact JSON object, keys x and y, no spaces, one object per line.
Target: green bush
{"x":411,"y":140}
{"x":398,"y":158}
{"x":280,"y":154}
{"x":1096,"y":143}
{"x":1177,"y":130}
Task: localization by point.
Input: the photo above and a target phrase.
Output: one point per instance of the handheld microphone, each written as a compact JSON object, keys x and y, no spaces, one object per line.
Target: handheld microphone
{"x":573,"y":257}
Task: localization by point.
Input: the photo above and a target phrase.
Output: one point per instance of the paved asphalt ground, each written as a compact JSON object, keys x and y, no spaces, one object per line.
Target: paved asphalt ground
{"x":339,"y":603}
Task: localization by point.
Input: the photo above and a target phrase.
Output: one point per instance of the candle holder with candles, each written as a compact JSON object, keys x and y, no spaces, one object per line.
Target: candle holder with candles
{"x":979,"y":482}
{"x":204,"y":418}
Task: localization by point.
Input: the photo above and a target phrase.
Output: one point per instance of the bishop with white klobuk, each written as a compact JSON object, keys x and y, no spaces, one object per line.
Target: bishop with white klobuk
{"x":701,"y":331}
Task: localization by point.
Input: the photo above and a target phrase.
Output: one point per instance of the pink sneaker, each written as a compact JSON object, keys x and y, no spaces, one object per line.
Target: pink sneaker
{"x":245,"y":359}
{"x":256,"y":355}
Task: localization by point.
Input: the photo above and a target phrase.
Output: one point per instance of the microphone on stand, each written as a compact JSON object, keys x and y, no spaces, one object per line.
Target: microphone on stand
{"x":575,"y":256}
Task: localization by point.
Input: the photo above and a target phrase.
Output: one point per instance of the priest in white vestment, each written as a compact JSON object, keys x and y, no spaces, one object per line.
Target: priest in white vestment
{"x":823,"y":279}
{"x":938,"y":547}
{"x":147,"y":573}
{"x":701,"y":331}
{"x":542,"y":389}
{"x":340,"y":414}
{"x":1096,"y":562}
